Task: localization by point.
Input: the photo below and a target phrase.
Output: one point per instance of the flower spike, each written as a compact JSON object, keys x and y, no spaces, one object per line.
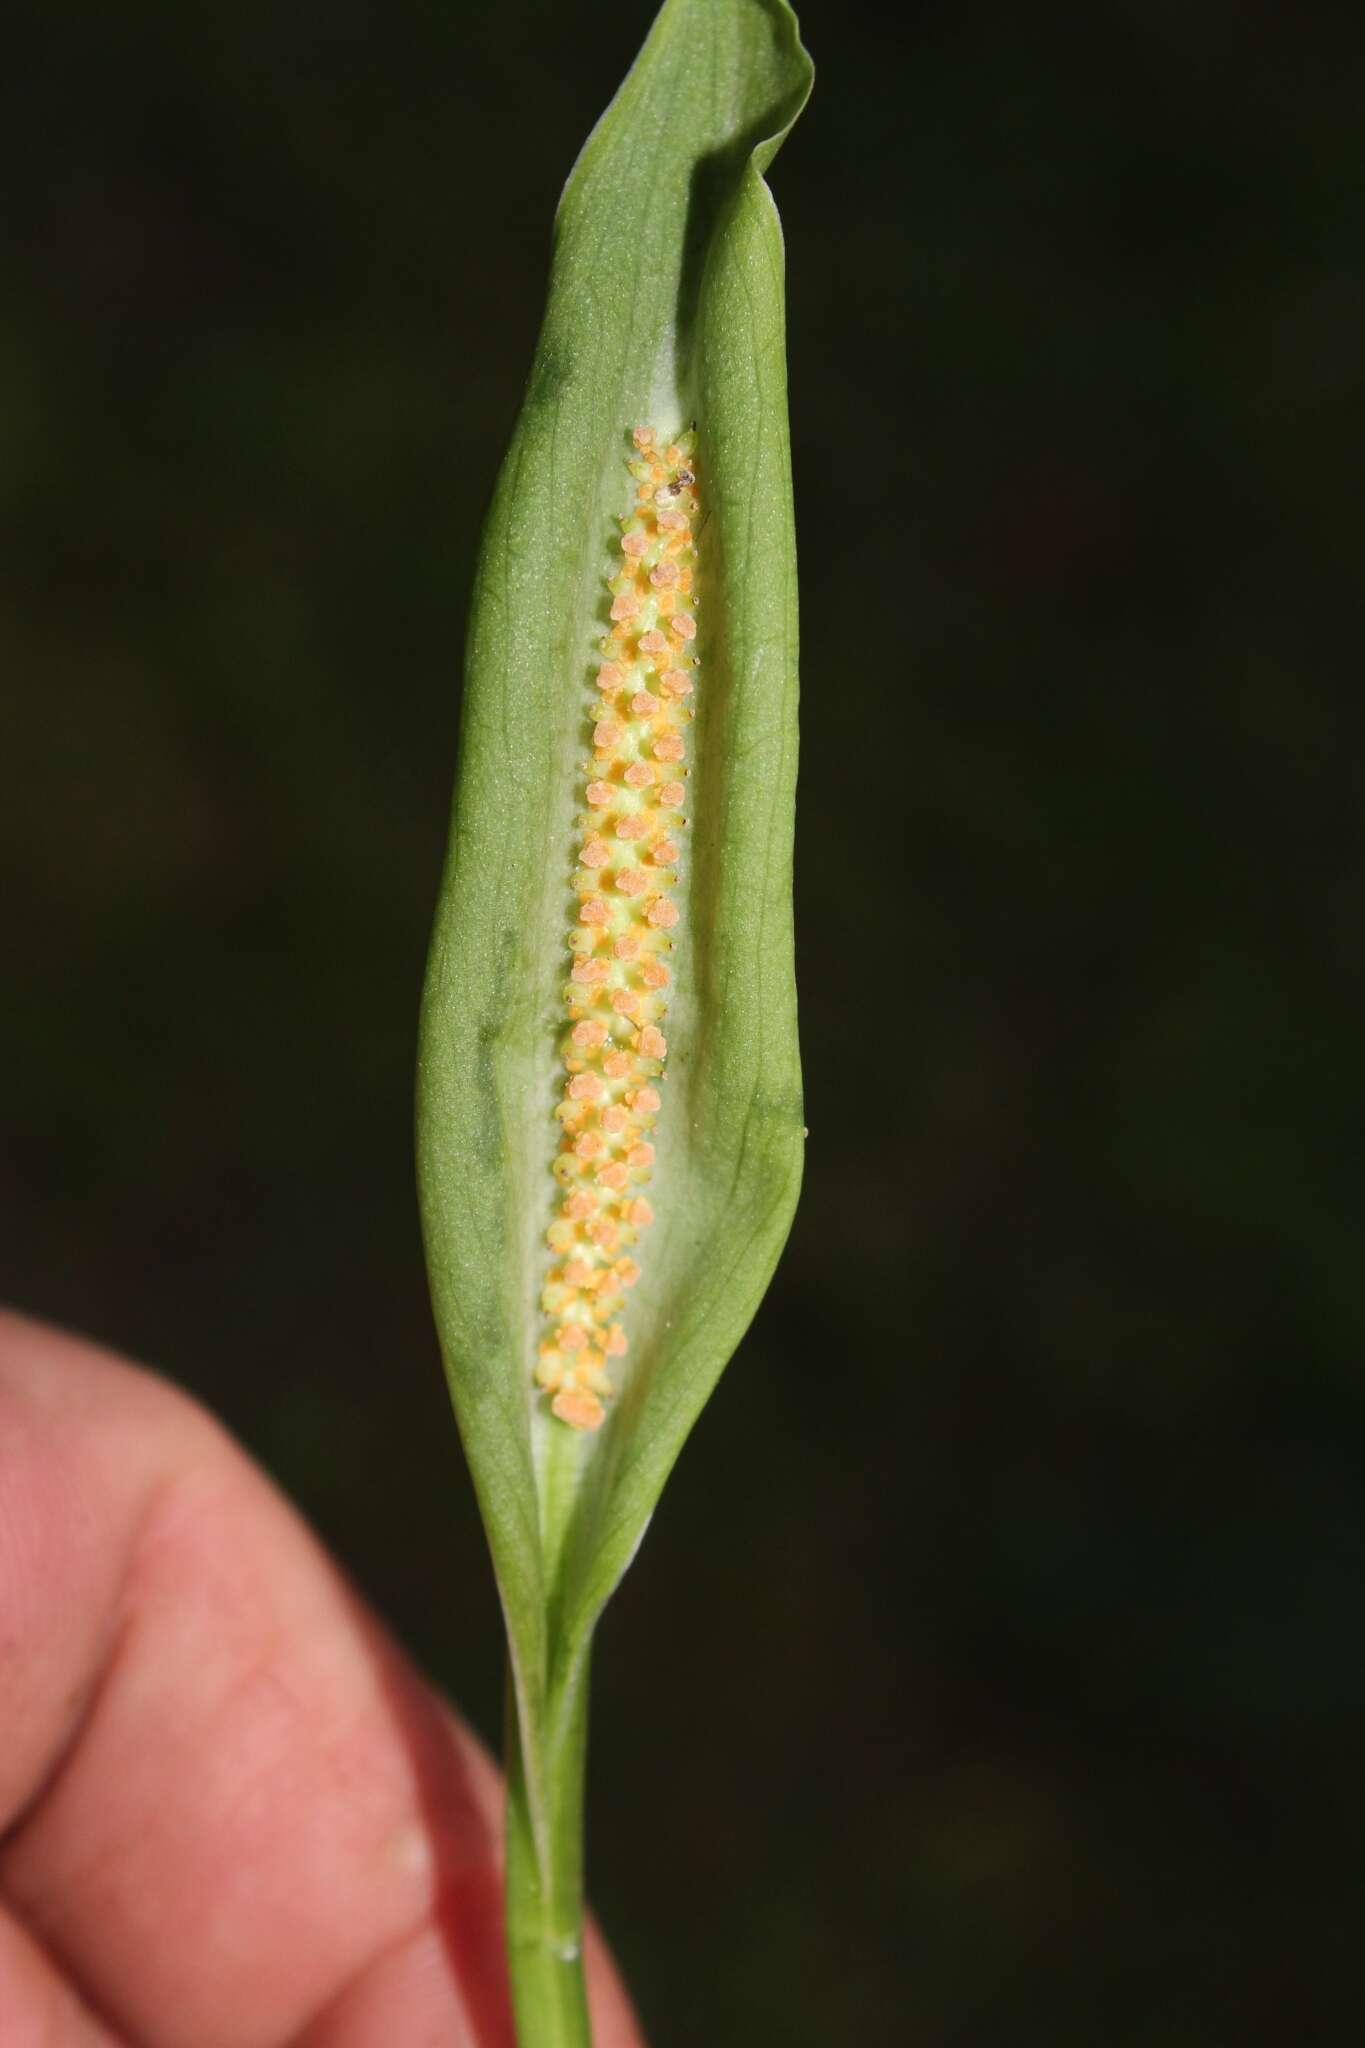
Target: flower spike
{"x":615,"y":995}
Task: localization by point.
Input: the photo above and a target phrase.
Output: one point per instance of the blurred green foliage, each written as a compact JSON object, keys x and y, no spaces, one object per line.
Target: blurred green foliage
{"x":1056,"y":1561}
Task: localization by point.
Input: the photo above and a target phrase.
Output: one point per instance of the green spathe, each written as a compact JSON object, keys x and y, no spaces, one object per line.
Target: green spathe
{"x":665,"y":305}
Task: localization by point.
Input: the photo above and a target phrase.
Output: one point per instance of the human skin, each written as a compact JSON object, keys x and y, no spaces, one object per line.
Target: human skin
{"x":232,"y":1814}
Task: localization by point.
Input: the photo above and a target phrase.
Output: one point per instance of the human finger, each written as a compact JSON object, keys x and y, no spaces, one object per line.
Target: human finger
{"x":236,"y":1816}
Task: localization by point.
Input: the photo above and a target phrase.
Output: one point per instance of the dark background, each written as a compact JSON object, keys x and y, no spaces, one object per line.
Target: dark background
{"x":992,"y":1672}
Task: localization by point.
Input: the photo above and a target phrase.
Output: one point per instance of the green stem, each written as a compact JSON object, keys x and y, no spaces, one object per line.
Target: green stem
{"x":545,"y":1877}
